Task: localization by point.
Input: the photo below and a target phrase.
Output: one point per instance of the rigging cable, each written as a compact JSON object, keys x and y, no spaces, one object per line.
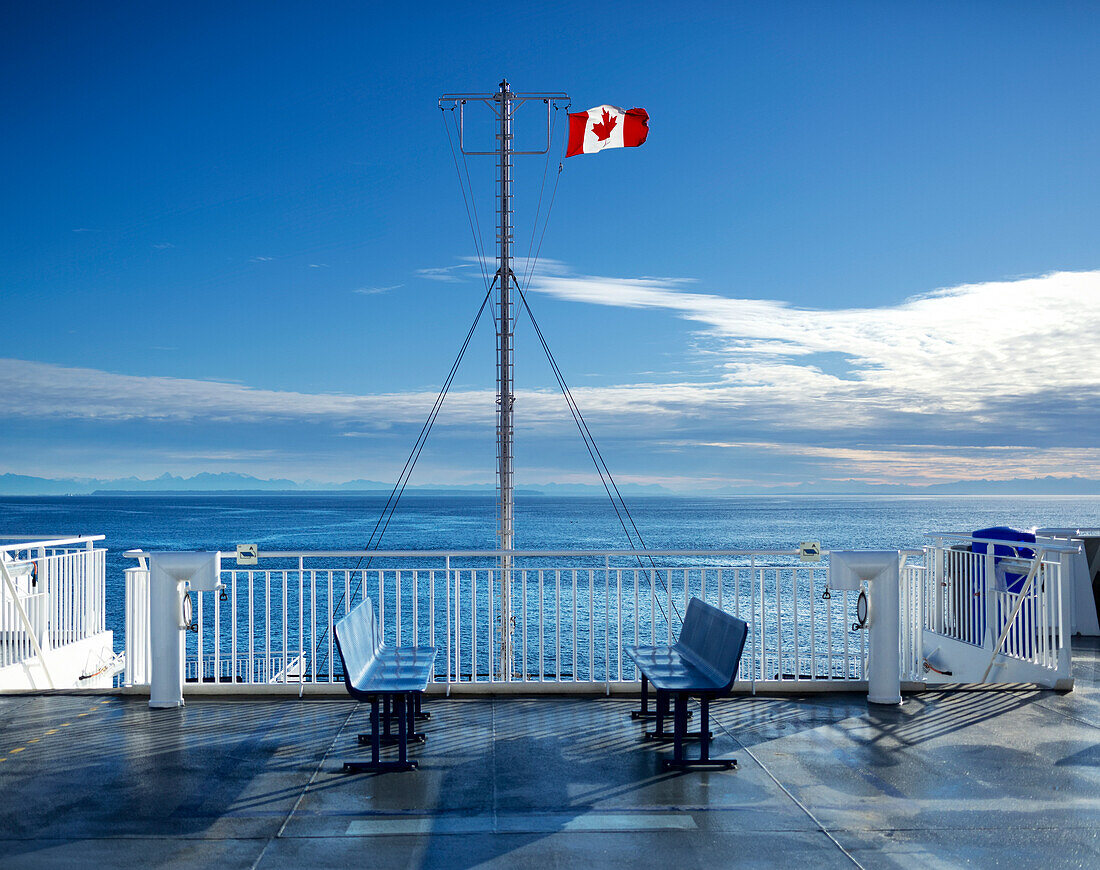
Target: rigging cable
{"x":418,"y":448}
{"x":528,"y":268}
{"x":598,"y":460}
{"x":530,"y":276}
{"x":469,"y":202}
{"x":388,"y":510}
{"x":406,"y":472}
{"x":390,"y":507}
{"x":574,"y":409}
{"x":410,"y":463}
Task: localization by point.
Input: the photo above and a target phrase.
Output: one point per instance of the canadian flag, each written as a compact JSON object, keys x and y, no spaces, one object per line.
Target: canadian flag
{"x":606,"y":127}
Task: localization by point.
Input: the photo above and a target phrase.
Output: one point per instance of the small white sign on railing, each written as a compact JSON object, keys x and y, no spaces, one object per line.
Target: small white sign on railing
{"x":810,"y":551}
{"x":247,"y":554}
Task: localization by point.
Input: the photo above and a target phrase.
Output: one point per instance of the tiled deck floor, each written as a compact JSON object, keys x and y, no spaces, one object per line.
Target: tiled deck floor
{"x":984,"y":779}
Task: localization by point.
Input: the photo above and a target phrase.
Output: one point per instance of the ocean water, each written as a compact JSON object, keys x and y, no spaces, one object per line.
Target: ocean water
{"x":323,"y":522}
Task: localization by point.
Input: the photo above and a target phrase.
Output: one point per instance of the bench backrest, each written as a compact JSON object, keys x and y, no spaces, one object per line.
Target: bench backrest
{"x":713,"y":641}
{"x":358,"y":640}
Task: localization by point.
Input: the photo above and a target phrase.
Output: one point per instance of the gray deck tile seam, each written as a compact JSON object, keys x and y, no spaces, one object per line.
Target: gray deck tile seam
{"x":965,"y":828}
{"x":193,"y":838}
{"x":510,"y":833}
{"x":305,"y":789}
{"x":103,"y":838}
{"x":322,"y":836}
{"x":493,"y":755}
{"x":1066,"y":715}
{"x":643,"y":810}
{"x":789,"y":794}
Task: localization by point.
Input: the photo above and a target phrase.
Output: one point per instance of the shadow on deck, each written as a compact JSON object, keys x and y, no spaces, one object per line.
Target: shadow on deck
{"x":949,"y":778}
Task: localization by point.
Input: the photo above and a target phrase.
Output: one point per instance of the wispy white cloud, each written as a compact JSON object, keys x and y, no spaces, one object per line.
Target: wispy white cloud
{"x":1003,"y":354}
{"x":163,"y":246}
{"x":923,"y":463}
{"x":261,"y":259}
{"x":42,"y":390}
{"x":231,"y":456}
{"x":968,"y":350}
{"x":524,"y":268}
{"x":985,"y":380}
{"x":448,"y":274}
{"x":374,"y":291}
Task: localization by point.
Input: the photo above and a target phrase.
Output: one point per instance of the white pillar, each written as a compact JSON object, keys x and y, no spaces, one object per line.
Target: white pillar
{"x":171,"y":575}
{"x":881,"y":571}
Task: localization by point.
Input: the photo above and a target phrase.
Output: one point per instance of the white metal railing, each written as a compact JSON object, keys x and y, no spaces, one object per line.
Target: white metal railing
{"x":22,"y":625}
{"x":53,"y":594}
{"x":1003,"y":599}
{"x":74,"y":582}
{"x":574,"y":613}
{"x":913,"y":584}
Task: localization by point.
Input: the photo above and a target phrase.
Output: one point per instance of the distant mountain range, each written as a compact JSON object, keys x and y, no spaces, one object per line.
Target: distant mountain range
{"x":231,"y":483}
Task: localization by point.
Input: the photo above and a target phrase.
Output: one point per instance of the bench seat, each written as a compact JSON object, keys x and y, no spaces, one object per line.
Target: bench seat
{"x":391,"y":677}
{"x":701,"y":664}
{"x":668,"y":669}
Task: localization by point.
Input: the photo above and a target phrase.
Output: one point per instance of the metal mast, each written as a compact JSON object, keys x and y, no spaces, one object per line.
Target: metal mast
{"x":504,"y":103}
{"x":505,"y":430}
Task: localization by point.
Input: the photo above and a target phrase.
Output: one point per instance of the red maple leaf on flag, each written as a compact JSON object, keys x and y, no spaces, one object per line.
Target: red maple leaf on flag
{"x":603,"y":131}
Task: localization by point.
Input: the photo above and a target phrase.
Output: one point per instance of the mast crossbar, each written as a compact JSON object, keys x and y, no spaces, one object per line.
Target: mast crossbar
{"x":494,"y":102}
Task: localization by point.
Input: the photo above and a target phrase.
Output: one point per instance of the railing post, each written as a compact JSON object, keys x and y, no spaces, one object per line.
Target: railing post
{"x":905,"y":621}
{"x":938,"y":584}
{"x":1064,"y":679}
{"x":607,"y":623}
{"x":987,"y":590}
{"x":753,"y":626}
{"x":447,"y":571}
{"x":137,"y":627}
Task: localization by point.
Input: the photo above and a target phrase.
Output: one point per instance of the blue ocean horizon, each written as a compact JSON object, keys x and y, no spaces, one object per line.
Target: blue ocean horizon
{"x":468,"y":522}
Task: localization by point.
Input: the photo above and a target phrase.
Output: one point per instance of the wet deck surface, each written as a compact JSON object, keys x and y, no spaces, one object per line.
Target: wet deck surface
{"x":949,"y":779}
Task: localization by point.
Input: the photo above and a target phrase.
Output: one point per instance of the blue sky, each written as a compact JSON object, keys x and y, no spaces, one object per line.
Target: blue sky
{"x":860,"y":243}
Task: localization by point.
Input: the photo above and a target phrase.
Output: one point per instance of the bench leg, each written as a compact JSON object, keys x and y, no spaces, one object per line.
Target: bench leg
{"x":679,"y":727}
{"x":659,"y":733}
{"x":403,"y":708}
{"x":645,"y":712}
{"x":420,"y":713}
{"x":390,"y":739}
{"x":376,"y":765}
{"x":412,"y":734}
{"x":704,"y":724}
{"x":678,"y":760}
{"x":659,"y":714}
{"x":376,"y":740}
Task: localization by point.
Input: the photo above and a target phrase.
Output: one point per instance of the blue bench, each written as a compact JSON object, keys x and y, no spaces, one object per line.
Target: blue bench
{"x":393,"y":678}
{"x":701,"y":664}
